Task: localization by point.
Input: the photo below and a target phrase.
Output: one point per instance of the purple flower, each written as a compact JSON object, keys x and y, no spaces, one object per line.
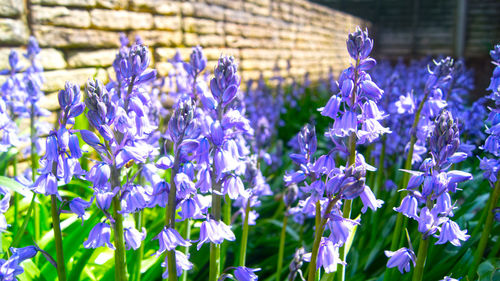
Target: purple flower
{"x":450,"y":231}
{"x":242,"y":273}
{"x":332,"y":107}
{"x":328,"y":256}
{"x":401,"y":258}
{"x":25,"y":253}
{"x":169,"y":239}
{"x":369,"y":200}
{"x":215,"y":232}
{"x":78,"y":206}
{"x":233,"y":186}
{"x":182,"y":263}
{"x":133,"y":237}
{"x":409,"y":207}
{"x":99,"y":236}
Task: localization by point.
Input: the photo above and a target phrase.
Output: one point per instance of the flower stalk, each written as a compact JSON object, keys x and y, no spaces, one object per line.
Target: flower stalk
{"x":483,"y":241}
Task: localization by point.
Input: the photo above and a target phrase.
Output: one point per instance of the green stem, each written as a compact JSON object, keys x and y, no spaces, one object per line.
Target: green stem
{"x":317,"y":240}
{"x":281,"y":251}
{"x":140,"y":252}
{"x":56,"y":226}
{"x":186,"y":249}
{"x":20,"y":231}
{"x":486,"y":231}
{"x":346,"y":211}
{"x":398,"y":233}
{"x":215,"y":249}
{"x":16,"y":196}
{"x":320,"y":227}
{"x":244,"y":236}
{"x":227,"y":220}
{"x":34,"y":166}
{"x":120,"y":260}
{"x":170,"y":216}
{"x":418,"y":272}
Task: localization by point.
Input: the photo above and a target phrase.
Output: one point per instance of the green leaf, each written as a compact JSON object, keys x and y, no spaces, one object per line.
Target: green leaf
{"x":350,"y":239}
{"x":15,"y":186}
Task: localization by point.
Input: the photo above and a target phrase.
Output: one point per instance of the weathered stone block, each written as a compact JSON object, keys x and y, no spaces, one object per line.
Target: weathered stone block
{"x":101,"y":58}
{"x":202,"y":10}
{"x":154,"y":38}
{"x":120,"y":20}
{"x":215,"y":53}
{"x":55,"y":80}
{"x":67,"y":3}
{"x":52,"y":59}
{"x":211,"y":40}
{"x":202,"y":26}
{"x":60,"y":16}
{"x":11,"y":8}
{"x":158,"y":6}
{"x":164,"y":54}
{"x":112,"y":4}
{"x":74,"y":38}
{"x":13,"y":32}
{"x":167,"y":22}
{"x":233,"y":28}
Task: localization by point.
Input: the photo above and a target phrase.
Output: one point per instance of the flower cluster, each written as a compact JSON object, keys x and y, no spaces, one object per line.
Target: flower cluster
{"x":437,"y":182}
{"x":491,"y":166}
{"x":356,"y":115}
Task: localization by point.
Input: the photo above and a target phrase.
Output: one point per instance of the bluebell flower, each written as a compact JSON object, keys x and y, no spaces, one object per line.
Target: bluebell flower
{"x":401,"y":258}
{"x":133,"y":238}
{"x":99,"y":236}
{"x":78,"y":206}
{"x":169,"y":239}
{"x":242,"y":273}
{"x":182,"y":264}
{"x":409,"y":207}
{"x":451,"y":232}
{"x":328,"y":255}
{"x":214,"y":232}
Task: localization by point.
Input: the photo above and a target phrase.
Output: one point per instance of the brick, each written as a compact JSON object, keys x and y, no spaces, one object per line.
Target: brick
{"x":67,"y":3}
{"x":11,"y":8}
{"x":112,"y":4}
{"x":154,"y":38}
{"x":172,"y":23}
{"x":75,"y":38}
{"x":60,"y":16}
{"x":101,"y":58}
{"x":160,"y":7}
{"x":202,"y":26}
{"x":13,"y":32}
{"x":55,"y":80}
{"x":120,"y":20}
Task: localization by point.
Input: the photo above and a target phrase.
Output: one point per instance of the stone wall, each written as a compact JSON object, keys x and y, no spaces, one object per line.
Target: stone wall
{"x":79,"y":38}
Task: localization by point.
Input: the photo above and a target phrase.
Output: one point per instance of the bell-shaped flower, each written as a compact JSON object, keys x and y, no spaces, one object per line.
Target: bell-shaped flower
{"x":233,"y":186}
{"x":401,"y":258}
{"x":450,"y":231}
{"x":99,"y":236}
{"x":78,"y":206}
{"x":408,"y":207}
{"x":345,"y":125}
{"x":182,"y":264}
{"x":133,"y":237}
{"x":369,"y":200}
{"x":184,"y":186}
{"x":328,"y":256}
{"x":332,"y":107}
{"x":242,"y":273}
{"x":215,"y":232}
{"x":169,"y":239}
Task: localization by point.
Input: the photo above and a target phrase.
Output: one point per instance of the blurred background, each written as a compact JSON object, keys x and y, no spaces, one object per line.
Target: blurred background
{"x":286,"y":37}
